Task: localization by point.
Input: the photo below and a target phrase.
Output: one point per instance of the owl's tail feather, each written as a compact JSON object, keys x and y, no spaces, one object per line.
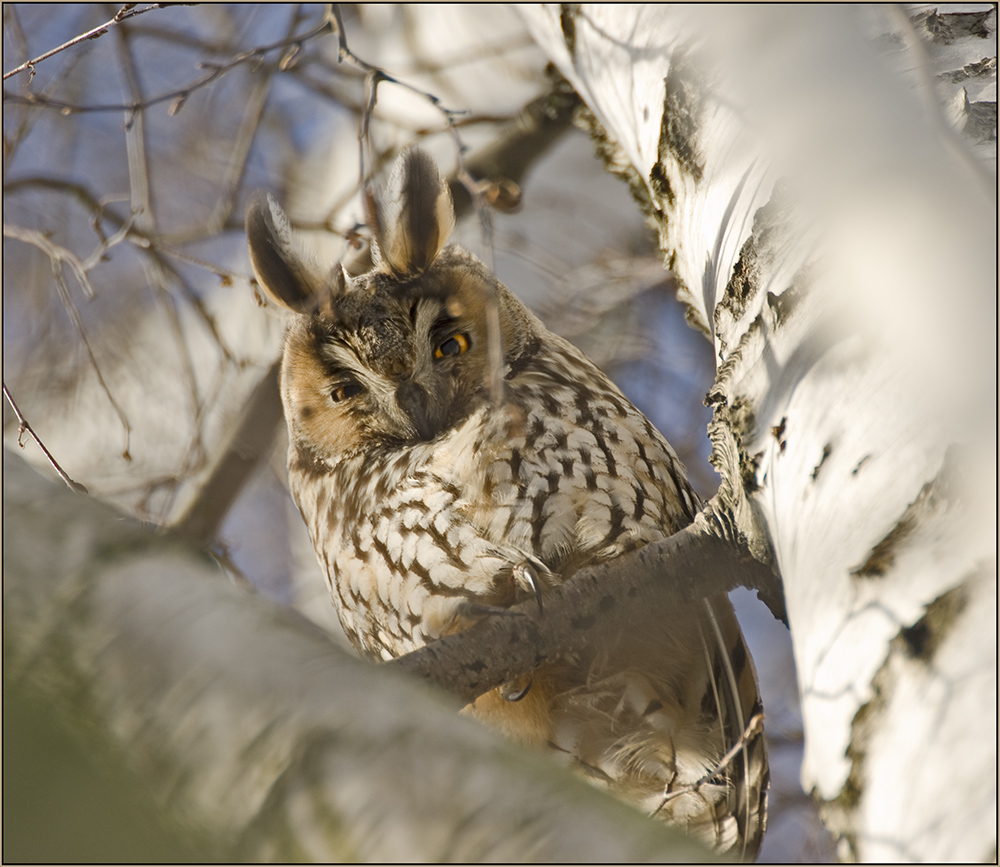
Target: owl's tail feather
{"x":734,"y":685}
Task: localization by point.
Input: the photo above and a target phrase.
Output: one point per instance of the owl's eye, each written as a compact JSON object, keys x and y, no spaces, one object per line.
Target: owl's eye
{"x":346,"y":391}
{"x":455,"y":345}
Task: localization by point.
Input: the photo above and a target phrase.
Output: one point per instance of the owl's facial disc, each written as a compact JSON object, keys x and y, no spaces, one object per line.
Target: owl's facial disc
{"x":428,"y":384}
{"x":397,"y":372}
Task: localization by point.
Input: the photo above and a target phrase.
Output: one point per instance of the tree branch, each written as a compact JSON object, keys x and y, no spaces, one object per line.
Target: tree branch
{"x":266,"y":739}
{"x":520,"y":143}
{"x":127,"y":11}
{"x":632,"y":592}
{"x":176,"y":97}
{"x":25,"y":428}
{"x":252,"y":439}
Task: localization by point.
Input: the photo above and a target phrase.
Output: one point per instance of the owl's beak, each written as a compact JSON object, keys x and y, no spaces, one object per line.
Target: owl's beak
{"x":413,"y":400}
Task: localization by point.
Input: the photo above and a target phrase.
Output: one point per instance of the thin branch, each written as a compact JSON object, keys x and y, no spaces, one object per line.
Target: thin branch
{"x":375,"y":75}
{"x":23,"y":122}
{"x":77,"y":320}
{"x":236,"y":164}
{"x":754,"y":729}
{"x":226,"y":275}
{"x":243,"y":139}
{"x":624,"y":594}
{"x":85,"y":196}
{"x":25,"y":428}
{"x":143,"y":207}
{"x":127,"y":11}
{"x":190,"y":294}
{"x":335,"y":21}
{"x":57,"y":256}
{"x":179,"y":96}
{"x":155,"y":245}
{"x":56,"y":253}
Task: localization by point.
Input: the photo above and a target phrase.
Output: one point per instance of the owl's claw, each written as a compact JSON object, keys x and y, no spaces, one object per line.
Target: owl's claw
{"x":525,"y":575}
{"x":508,"y":693}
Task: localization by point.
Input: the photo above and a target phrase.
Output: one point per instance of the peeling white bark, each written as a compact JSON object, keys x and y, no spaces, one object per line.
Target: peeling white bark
{"x":837,"y":240}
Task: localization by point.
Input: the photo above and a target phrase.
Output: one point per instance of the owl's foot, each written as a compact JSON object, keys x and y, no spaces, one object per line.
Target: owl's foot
{"x":476,"y":610}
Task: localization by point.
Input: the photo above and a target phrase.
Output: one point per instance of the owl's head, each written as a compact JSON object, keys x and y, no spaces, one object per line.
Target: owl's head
{"x":400,"y":354}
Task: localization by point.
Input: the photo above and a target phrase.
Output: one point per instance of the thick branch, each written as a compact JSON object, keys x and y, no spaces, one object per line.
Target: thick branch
{"x":252,"y":440}
{"x":267,"y":739}
{"x":632,"y":592}
{"x":520,"y":143}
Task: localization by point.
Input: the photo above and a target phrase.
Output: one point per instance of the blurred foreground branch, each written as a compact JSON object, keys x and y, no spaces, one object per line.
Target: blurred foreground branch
{"x":254,"y":728}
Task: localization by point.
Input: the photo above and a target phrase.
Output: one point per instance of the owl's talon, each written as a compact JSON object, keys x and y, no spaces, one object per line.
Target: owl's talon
{"x":525,"y":575}
{"x":515,"y":696}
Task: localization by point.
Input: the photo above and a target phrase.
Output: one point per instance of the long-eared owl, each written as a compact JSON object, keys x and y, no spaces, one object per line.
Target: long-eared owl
{"x":450,"y":455}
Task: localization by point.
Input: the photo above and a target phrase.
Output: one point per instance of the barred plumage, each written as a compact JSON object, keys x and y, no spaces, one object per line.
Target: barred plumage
{"x":425,"y":489}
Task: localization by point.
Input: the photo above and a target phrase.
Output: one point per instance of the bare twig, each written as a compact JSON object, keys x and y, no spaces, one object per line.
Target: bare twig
{"x":754,"y":728}
{"x":77,"y":320}
{"x":127,"y":11}
{"x":57,"y":256}
{"x":375,"y":75}
{"x":226,"y":275}
{"x":55,"y":252}
{"x":25,"y":428}
{"x":335,"y":21}
{"x":179,"y":96}
{"x":142,"y":207}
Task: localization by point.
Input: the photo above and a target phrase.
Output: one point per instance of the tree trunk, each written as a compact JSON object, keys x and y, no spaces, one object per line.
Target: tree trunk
{"x":833,"y":233}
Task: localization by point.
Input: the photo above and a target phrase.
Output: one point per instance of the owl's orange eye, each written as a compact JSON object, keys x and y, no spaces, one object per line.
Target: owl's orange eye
{"x":455,"y":345}
{"x":348,"y":390}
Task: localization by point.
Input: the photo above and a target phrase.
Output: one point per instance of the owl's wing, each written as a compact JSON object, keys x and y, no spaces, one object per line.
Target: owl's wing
{"x":408,"y":566}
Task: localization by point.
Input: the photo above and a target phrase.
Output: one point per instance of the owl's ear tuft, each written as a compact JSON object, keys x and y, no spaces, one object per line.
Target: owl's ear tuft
{"x":416,"y":217}
{"x":279,"y":267}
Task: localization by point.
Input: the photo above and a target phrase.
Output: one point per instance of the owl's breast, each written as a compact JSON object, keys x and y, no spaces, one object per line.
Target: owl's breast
{"x":401,"y":556}
{"x":568,"y":477}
